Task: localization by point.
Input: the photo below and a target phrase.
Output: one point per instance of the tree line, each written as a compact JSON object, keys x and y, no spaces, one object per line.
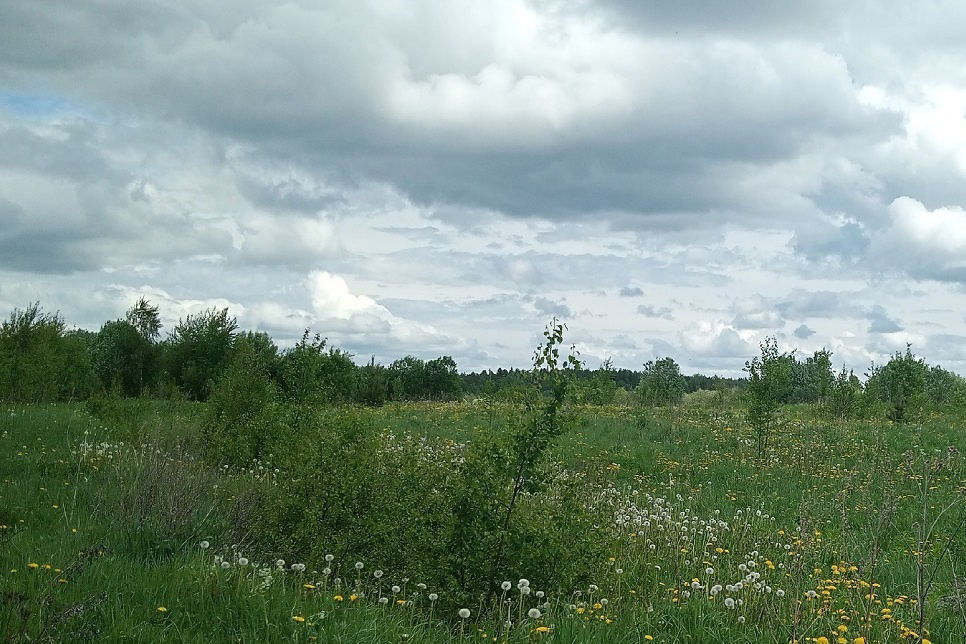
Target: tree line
{"x":42,"y":360}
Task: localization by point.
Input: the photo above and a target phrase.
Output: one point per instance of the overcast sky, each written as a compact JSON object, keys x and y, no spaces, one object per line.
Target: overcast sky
{"x":441,"y":177}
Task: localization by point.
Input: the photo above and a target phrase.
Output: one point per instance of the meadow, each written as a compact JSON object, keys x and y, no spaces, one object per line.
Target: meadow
{"x":119,"y":523}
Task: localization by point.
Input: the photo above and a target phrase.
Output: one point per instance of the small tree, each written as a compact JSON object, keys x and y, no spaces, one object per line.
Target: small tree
{"x":38,"y":361}
{"x":122,"y":358}
{"x":901,"y":384}
{"x":770,"y":383}
{"x":199,"y":350}
{"x":661,"y":383}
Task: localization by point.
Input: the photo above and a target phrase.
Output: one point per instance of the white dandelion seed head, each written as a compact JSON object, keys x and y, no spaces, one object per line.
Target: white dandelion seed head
{"x":464,"y":613}
{"x":377,"y":574}
{"x":539,"y":594}
{"x":729,"y":602}
{"x":780,"y":593}
{"x":433,"y":597}
{"x":533,"y":613}
{"x":225,"y":565}
{"x":242,"y":561}
{"x":383,"y":600}
{"x":523,"y":583}
{"x":360,"y":565}
{"x":396,"y":589}
{"x":329,"y":558}
{"x":506,"y":585}
{"x":205,"y":545}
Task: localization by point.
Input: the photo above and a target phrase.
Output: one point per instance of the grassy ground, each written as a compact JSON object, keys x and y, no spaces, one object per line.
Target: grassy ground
{"x":112,"y":528}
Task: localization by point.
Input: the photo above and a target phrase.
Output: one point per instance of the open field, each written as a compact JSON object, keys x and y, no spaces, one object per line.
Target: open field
{"x":664,"y":527}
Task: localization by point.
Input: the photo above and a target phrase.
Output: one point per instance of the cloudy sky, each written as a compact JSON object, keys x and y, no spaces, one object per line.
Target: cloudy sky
{"x":441,"y":177}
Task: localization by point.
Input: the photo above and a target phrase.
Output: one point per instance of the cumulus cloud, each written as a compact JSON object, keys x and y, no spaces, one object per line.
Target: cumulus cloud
{"x":470,"y":169}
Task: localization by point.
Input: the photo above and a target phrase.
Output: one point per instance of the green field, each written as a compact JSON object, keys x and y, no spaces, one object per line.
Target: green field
{"x":662,"y":525}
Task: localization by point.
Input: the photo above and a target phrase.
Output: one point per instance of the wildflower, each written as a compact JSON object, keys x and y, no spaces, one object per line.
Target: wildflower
{"x":383,"y":600}
{"x":859,"y":640}
{"x":523,"y":583}
{"x":377,"y":574}
{"x":308,"y":586}
{"x":225,"y":565}
{"x":329,"y":558}
{"x":339,"y":598}
{"x":162,"y":609}
{"x":464,"y":613}
{"x":205,"y":545}
{"x":360,"y":565}
{"x":533,"y":613}
{"x":780,"y":593}
{"x":542,"y":629}
{"x":298,"y":618}
{"x":396,"y":589}
{"x":280,"y":563}
{"x":709,"y":571}
{"x":741,"y":619}
{"x":242,"y":561}
{"x":729,"y":602}
{"x":649,"y":637}
{"x":506,"y":585}
{"x":821,"y":640}
{"x":33,"y":566}
{"x":433,"y":597}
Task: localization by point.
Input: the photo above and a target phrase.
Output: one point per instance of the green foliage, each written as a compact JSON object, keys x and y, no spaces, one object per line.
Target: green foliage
{"x":812,"y":379}
{"x":901,"y":384}
{"x":500,"y":469}
{"x":242,"y":423}
{"x":661,"y":383}
{"x":373,"y":384}
{"x":311,"y":375}
{"x":124,"y":360}
{"x":844,"y":395}
{"x":146,"y":319}
{"x":602,"y":387}
{"x":40,"y":361}
{"x":770,"y":382}
{"x":198,"y":351}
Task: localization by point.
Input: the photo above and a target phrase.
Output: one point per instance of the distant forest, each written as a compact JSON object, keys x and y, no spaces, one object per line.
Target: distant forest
{"x":42,"y":360}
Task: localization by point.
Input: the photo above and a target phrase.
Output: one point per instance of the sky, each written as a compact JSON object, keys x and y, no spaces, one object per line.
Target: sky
{"x":444,"y":177}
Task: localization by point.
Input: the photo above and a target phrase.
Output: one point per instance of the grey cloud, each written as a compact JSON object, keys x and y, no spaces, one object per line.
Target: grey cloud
{"x":630,"y":291}
{"x":651,"y":311}
{"x":549,"y":307}
{"x":668,"y":154}
{"x":803,"y":332}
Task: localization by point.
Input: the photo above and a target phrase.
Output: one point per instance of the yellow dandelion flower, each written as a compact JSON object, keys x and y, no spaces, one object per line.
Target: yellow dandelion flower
{"x":308,"y":586}
{"x":339,"y":598}
{"x":821,"y":640}
{"x":162,"y":609}
{"x":298,"y":618}
{"x":33,"y":566}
